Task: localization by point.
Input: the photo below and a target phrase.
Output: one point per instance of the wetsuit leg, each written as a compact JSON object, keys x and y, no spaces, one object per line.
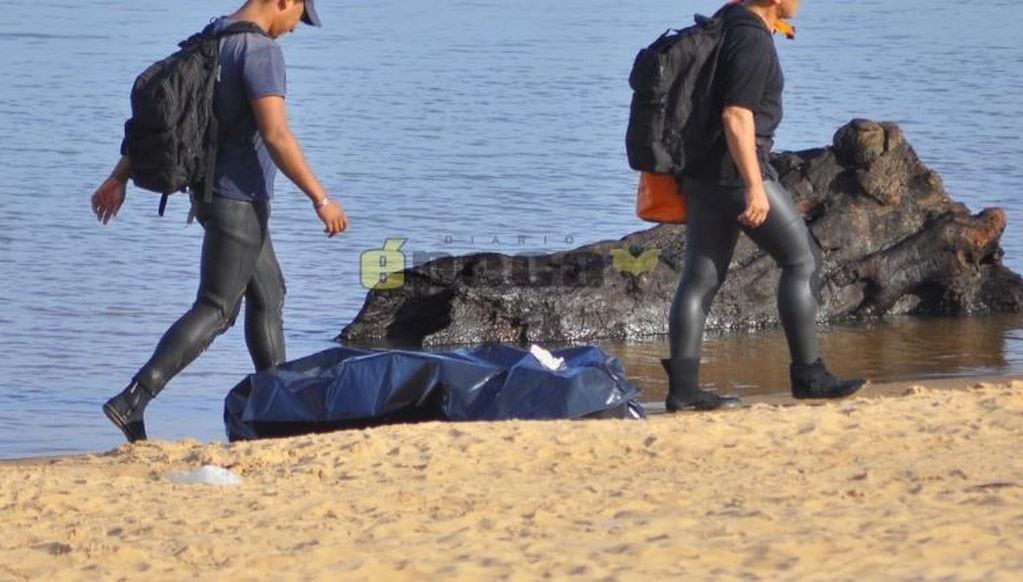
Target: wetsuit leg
{"x":710,"y":242}
{"x":785,"y":237}
{"x":233,"y":243}
{"x":264,"y":305}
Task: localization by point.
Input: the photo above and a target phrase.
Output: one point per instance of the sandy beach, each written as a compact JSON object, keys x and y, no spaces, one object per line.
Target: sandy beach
{"x":906,"y":482}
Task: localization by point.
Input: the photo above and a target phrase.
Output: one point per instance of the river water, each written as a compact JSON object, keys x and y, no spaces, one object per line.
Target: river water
{"x":467,"y":125}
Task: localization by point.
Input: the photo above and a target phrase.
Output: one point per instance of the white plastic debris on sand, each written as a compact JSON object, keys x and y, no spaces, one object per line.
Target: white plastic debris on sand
{"x":206,"y":475}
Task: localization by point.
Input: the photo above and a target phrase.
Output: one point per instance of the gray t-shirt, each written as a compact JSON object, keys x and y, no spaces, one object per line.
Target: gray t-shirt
{"x":251,"y":67}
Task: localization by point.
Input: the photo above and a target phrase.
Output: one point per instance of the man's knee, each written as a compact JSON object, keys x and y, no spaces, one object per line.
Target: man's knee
{"x":269,"y":299}
{"x":703,"y":277}
{"x":806,"y":266}
{"x":220,"y":314}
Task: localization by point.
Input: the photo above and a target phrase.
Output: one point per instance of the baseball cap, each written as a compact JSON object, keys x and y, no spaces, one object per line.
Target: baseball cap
{"x":309,"y":16}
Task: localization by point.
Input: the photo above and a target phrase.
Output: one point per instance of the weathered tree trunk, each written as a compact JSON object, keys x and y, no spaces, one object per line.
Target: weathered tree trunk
{"x":892,"y":243}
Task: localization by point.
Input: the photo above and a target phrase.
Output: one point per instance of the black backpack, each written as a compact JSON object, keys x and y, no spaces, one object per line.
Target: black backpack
{"x":674,"y":117}
{"x":172,"y":137}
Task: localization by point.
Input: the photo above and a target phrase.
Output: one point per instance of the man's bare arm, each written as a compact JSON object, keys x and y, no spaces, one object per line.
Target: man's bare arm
{"x":740,"y":131}
{"x":272,"y":121}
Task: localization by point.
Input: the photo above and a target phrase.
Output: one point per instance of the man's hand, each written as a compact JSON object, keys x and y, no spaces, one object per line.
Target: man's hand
{"x":757,"y":207}
{"x":108,"y":198}
{"x":334,"y":219}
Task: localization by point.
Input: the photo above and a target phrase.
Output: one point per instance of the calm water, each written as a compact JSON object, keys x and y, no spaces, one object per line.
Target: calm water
{"x":460,"y":126}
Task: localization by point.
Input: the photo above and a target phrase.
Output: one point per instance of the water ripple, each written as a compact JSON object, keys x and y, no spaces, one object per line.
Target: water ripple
{"x":462,"y":127}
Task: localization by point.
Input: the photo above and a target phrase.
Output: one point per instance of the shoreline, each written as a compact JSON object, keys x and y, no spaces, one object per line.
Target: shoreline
{"x":927,"y":484}
{"x":655,"y":409}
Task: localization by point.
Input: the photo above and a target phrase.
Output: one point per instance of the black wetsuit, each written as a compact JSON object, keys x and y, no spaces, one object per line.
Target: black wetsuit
{"x":237,"y":261}
{"x":237,"y":257}
{"x":749,"y":75}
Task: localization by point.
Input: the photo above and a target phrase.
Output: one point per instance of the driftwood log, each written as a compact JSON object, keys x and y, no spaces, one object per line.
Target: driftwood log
{"x":892,"y":240}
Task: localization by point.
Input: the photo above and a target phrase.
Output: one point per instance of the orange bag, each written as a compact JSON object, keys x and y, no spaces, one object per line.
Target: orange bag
{"x":658,"y":199}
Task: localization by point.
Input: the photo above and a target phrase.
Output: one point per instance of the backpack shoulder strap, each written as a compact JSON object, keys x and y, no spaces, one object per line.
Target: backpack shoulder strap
{"x":242,"y":27}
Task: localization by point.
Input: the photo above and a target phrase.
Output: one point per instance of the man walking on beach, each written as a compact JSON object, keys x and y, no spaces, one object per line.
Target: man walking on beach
{"x":735,"y":190}
{"x":238,"y":258}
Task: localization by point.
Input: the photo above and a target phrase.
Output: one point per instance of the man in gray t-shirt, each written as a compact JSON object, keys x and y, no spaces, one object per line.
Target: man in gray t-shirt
{"x":238,"y":259}
{"x":251,"y":67}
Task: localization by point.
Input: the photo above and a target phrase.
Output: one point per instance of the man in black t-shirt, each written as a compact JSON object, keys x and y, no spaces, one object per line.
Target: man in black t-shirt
{"x":735,"y":190}
{"x":749,"y":78}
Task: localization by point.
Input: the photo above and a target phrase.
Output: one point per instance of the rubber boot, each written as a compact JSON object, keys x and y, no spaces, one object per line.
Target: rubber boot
{"x":815,"y":382}
{"x":684,"y":392}
{"x":125,"y":411}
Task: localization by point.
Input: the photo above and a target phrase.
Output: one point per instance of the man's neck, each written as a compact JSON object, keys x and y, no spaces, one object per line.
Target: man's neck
{"x":253,"y":12}
{"x":768,"y":13}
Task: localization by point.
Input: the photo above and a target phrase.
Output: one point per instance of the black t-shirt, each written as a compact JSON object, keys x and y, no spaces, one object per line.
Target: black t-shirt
{"x":749,"y":75}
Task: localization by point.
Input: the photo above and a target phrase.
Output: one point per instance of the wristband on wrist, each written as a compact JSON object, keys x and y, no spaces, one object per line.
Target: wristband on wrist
{"x":321,"y":203}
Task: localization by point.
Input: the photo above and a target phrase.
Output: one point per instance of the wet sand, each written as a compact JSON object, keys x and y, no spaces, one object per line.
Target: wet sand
{"x":906,"y":482}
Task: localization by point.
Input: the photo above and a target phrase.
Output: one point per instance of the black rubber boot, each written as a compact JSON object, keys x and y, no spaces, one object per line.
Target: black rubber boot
{"x":815,"y":382}
{"x":125,"y":411}
{"x":684,"y":392}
